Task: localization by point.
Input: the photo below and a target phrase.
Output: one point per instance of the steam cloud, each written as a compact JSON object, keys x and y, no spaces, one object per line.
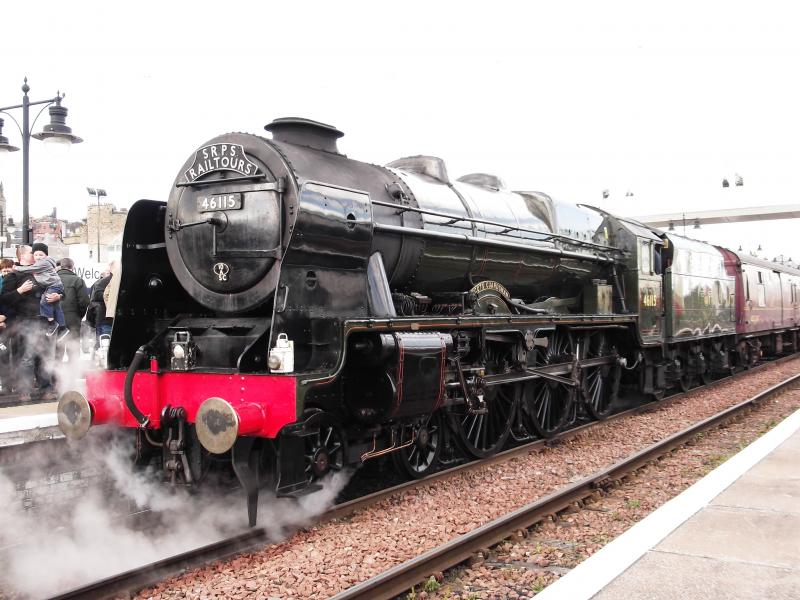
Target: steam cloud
{"x":63,"y":547}
{"x":53,"y":547}
{"x":66,"y":375}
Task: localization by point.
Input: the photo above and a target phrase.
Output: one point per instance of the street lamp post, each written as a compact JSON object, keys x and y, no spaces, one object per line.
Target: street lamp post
{"x":97,"y":193}
{"x":55,"y":132}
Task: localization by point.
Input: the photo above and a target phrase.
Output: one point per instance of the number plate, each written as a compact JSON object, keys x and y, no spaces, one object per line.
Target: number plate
{"x":219,"y":202}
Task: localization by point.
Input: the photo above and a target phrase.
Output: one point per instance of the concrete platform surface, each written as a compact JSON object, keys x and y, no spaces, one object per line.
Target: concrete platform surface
{"x":31,"y":423}
{"x":733,"y":534}
{"x":772,"y":485}
{"x":743,"y":535}
{"x":26,"y":410}
{"x":744,"y":544}
{"x":672,"y":576}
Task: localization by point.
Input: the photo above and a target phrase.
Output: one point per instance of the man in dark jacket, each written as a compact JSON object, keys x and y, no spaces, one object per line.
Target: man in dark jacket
{"x":96,"y":317}
{"x":74,"y":305}
{"x":28,"y":328}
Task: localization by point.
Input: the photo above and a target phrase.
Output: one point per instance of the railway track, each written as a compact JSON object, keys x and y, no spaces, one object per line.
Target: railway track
{"x":404,"y":576}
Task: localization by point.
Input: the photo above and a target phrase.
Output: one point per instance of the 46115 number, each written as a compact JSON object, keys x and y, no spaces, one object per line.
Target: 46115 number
{"x":219,"y":202}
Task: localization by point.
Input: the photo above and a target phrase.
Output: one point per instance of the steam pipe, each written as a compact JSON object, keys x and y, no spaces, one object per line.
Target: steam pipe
{"x":620,"y":291}
{"x":138,"y":359}
{"x":526,"y":308}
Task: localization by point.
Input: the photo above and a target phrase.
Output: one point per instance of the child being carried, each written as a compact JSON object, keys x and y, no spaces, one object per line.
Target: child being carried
{"x":45,"y":274}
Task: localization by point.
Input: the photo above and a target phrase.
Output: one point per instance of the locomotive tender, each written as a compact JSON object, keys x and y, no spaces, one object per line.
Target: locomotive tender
{"x":290,"y":311}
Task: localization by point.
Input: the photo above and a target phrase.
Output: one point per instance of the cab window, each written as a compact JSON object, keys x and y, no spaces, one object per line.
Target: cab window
{"x":658,"y":267}
{"x":645,"y":259}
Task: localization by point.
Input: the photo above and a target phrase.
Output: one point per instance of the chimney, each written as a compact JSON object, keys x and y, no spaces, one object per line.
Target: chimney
{"x":305,"y":132}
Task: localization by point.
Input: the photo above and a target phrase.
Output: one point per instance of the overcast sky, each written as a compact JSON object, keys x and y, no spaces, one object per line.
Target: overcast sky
{"x":569,"y":98}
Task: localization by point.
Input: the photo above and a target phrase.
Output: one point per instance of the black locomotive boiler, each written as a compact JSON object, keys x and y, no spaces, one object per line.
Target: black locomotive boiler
{"x":290,"y":311}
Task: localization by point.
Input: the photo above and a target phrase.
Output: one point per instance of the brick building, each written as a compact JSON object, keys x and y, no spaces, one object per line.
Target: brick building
{"x":75,"y":232}
{"x":49,"y":227}
{"x":107,"y":222}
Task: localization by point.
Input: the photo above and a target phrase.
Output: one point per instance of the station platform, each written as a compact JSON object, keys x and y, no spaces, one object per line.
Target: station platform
{"x":733,"y":534}
{"x":33,"y":421}
{"x":28,"y":423}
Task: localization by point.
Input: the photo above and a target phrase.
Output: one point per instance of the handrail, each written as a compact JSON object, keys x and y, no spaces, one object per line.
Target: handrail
{"x":546,"y":236}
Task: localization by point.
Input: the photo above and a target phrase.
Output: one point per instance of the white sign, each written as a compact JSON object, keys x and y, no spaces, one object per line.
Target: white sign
{"x":85,"y":266}
{"x":90,"y":271}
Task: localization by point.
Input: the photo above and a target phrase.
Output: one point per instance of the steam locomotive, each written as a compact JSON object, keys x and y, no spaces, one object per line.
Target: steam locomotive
{"x":290,"y":311}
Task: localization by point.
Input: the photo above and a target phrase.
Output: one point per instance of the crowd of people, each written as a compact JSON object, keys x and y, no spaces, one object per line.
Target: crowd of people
{"x":43,"y":304}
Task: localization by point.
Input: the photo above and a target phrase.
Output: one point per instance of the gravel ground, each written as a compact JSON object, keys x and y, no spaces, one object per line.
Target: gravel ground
{"x":320,"y":561}
{"x":518,"y":568}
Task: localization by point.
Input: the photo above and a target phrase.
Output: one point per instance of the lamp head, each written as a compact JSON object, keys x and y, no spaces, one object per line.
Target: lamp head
{"x":56,"y":131}
{"x":96,"y":192}
{"x":5,"y":147}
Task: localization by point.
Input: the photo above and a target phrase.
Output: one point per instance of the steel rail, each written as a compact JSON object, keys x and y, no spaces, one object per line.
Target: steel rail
{"x":141,"y":577}
{"x":402,"y":577}
{"x":150,"y":574}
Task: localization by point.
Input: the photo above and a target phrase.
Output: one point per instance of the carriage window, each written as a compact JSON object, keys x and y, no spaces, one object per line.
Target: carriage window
{"x":794,"y":293}
{"x":746,"y":287}
{"x":762,"y":294}
{"x":760,"y":277}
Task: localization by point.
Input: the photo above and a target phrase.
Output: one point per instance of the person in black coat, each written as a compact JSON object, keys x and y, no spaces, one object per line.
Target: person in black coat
{"x":28,"y":330}
{"x":6,"y":267}
{"x":96,"y":315}
{"x":76,"y":301}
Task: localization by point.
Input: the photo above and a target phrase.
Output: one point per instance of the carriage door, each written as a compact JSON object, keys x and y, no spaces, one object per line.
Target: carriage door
{"x":783,"y":297}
